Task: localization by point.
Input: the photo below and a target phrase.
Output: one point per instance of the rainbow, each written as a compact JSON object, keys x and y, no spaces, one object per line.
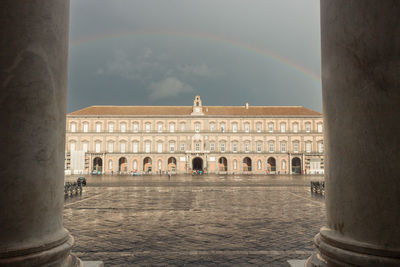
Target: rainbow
{"x":240,"y":44}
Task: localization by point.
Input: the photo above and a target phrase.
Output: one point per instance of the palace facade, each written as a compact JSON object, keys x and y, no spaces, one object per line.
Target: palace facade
{"x":215,"y":139}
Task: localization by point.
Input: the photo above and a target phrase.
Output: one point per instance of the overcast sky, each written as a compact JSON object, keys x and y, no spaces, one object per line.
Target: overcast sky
{"x":163,"y":52}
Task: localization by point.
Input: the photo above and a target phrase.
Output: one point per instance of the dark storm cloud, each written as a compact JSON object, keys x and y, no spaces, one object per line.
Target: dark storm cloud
{"x":219,"y":50}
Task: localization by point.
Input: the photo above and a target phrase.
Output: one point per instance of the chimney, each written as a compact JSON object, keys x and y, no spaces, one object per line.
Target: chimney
{"x":247,"y":105}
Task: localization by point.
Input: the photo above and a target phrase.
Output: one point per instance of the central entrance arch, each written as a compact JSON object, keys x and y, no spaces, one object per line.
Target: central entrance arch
{"x":296,"y":165}
{"x":123,"y":165}
{"x":147,"y":164}
{"x":197,"y":164}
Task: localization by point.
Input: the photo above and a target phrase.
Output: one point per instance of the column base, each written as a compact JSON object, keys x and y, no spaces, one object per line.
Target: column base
{"x":55,"y":254}
{"x":337,"y":250}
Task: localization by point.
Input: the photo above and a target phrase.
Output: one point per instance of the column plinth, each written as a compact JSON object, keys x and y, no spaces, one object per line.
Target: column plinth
{"x":361,"y":96}
{"x":33,"y":79}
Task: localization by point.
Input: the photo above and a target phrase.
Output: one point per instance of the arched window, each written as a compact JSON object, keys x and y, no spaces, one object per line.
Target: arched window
{"x":247,"y":147}
{"x":212,"y":127}
{"x":223,"y":147}
{"x":296,"y":147}
{"x":182,"y":126}
{"x":111,"y":127}
{"x":159,"y":127}
{"x":222,"y":126}
{"x":234,"y":147}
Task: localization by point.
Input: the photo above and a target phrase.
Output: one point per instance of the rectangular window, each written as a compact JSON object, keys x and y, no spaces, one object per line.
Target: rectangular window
{"x":111,"y":127}
{"x":72,"y":147}
{"x":172,"y":147}
{"x":223,"y":127}
{"x":259,"y":127}
{"x":320,"y":127}
{"x":222,"y":147}
{"x":135,"y":127}
{"x":159,"y":147}
{"x":308,"y":127}
{"x":212,"y":127}
{"x":182,"y":127}
{"x":197,"y":127}
{"x":98,"y":127}
{"x":212,"y":146}
{"x":296,"y":147}
{"x":147,"y":147}
{"x":85,"y":127}
{"x":270,"y":127}
{"x":246,"y":147}
{"x":197,"y":146}
{"x":147,"y":127}
{"x":123,"y":127}
{"x":234,"y":127}
{"x":271,"y":147}
{"x":73,"y":127}
{"x":123,"y":147}
{"x":259,"y":147}
{"x":182,"y":147}
{"x":247,"y":127}
{"x":159,"y":127}
{"x":283,"y":147}
{"x":110,"y":147}
{"x":97,"y":147}
{"x":135,"y":147}
{"x":295,"y":127}
{"x":320,"y":147}
{"x":308,"y":147}
{"x":172,"y":127}
{"x":283,"y":127}
{"x":234,"y":147}
{"x":85,"y":147}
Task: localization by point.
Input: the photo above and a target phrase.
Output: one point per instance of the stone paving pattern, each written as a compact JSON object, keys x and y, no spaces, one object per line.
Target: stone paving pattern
{"x":194,"y":221}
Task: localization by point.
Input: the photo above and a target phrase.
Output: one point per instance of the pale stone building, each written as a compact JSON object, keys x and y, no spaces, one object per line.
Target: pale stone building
{"x":180,"y":139}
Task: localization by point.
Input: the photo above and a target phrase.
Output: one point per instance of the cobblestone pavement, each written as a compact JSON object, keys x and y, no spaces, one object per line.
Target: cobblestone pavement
{"x":195,"y":221}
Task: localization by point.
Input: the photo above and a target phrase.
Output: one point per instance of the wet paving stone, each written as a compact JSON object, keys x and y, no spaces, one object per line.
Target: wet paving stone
{"x":192,"y":221}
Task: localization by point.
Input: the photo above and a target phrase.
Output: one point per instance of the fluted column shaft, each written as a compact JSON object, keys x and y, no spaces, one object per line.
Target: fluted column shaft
{"x":361,"y":106}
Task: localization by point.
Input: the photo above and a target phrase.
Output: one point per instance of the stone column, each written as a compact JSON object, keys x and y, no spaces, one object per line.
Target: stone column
{"x":33,"y":77}
{"x":361,"y":96}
